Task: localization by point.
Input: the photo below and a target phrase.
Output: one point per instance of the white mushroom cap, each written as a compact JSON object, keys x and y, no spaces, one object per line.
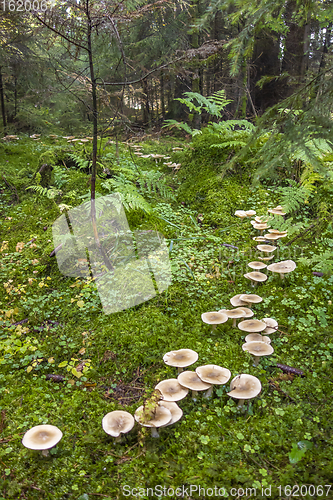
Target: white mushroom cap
{"x":266,"y":258}
{"x":250,"y":298}
{"x":276,"y":211}
{"x":176,"y":412}
{"x":260,"y":227}
{"x":276,"y":231}
{"x":180,"y":358}
{"x":272,"y":325}
{"x":257,"y":265}
{"x":241,"y":213}
{"x":192,"y":381}
{"x":171,"y":390}
{"x":283,"y":267}
{"x":258,"y":348}
{"x":214,"y":318}
{"x":42,"y":437}
{"x":252,"y":325}
{"x":256,"y":276}
{"x":248,"y":312}
{"x":261,"y":219}
{"x":259,"y":238}
{"x":117,"y":422}
{"x":250,"y":213}
{"x":256,"y":337}
{"x":244,"y":387}
{"x":272,"y":236}
{"x":213,"y":374}
{"x":236,"y":301}
{"x":235,"y":313}
{"x":266,"y":248}
{"x":161,"y":416}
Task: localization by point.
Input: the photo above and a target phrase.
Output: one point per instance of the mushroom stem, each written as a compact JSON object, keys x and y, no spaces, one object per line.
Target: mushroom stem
{"x":241,"y":403}
{"x":209,"y":392}
{"x":282,"y":276}
{"x":256,"y":360}
{"x":213,"y":327}
{"x":234,"y":324}
{"x":118,"y":439}
{"x":45,"y":453}
{"x":194,"y":395}
{"x":180,"y":369}
{"x":253,"y":283}
{"x":154,"y":432}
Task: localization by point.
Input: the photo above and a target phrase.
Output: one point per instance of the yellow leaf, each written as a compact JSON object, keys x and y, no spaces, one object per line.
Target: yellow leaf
{"x":72,"y":382}
{"x":80,"y":303}
{"x":82,"y":351}
{"x":51,"y":360}
{"x":29,"y":369}
{"x":34,"y":363}
{"x":76,"y":373}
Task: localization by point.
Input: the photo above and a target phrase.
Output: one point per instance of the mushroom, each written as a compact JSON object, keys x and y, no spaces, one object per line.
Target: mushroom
{"x":260,"y":227}
{"x":250,"y":298}
{"x":42,"y":437}
{"x":266,"y":248}
{"x":276,"y":211}
{"x":272,"y":325}
{"x":176,"y":412}
{"x":282,"y":234}
{"x":284,"y":267}
{"x":252,"y":325}
{"x":236,"y":301}
{"x":117,"y":422}
{"x":258,"y":349}
{"x":244,"y":387}
{"x":159,"y":417}
{"x":214,"y":318}
{"x":261,"y":219}
{"x":256,"y":337}
{"x":213,"y":374}
{"x":259,"y":238}
{"x":271,"y":236}
{"x":256,"y":277}
{"x":234,"y":314}
{"x":257,"y":265}
{"x":180,"y":358}
{"x":266,"y":258}
{"x":171,"y":390}
{"x":192,"y":381}
{"x":250,"y":213}
{"x":241,"y":214}
{"x":248,"y":312}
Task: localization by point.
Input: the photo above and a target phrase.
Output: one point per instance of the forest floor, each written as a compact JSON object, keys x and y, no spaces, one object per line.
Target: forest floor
{"x":279,"y":445}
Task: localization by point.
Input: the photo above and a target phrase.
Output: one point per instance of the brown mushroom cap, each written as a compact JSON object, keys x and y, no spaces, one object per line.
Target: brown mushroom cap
{"x":161,"y":416}
{"x":256,"y":337}
{"x":252,"y":325}
{"x":250,"y":298}
{"x":266,"y":248}
{"x":256,"y":276}
{"x":192,"y":381}
{"x":180,"y":358}
{"x":283,"y":267}
{"x":42,"y":437}
{"x":171,"y":390}
{"x":214,"y":318}
{"x":236,"y":301}
{"x":117,"y":422}
{"x":272,"y":325}
{"x":244,"y":387}
{"x":257,"y":265}
{"x":241,"y":213}
{"x":258,"y":348}
{"x":176,"y":412}
{"x":213,"y":374}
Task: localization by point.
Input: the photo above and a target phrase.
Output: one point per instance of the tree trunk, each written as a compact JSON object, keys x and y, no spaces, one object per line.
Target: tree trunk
{"x":162,"y":95}
{"x":2,"y":98}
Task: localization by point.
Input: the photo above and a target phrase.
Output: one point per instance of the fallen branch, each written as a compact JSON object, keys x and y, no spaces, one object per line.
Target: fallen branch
{"x":300,"y":235}
{"x":12,"y":188}
{"x":290,"y":369}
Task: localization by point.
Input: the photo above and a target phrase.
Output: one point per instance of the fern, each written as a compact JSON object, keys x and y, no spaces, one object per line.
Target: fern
{"x":179,"y":125}
{"x":82,"y":163}
{"x":322,"y":262}
{"x":293,"y":196}
{"x":50,"y":193}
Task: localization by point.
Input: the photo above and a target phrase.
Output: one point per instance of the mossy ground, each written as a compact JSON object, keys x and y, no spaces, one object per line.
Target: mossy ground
{"x":215,"y":444}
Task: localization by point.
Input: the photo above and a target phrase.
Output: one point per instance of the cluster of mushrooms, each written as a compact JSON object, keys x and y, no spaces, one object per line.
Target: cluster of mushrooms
{"x":158,"y":157}
{"x":243,"y":387}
